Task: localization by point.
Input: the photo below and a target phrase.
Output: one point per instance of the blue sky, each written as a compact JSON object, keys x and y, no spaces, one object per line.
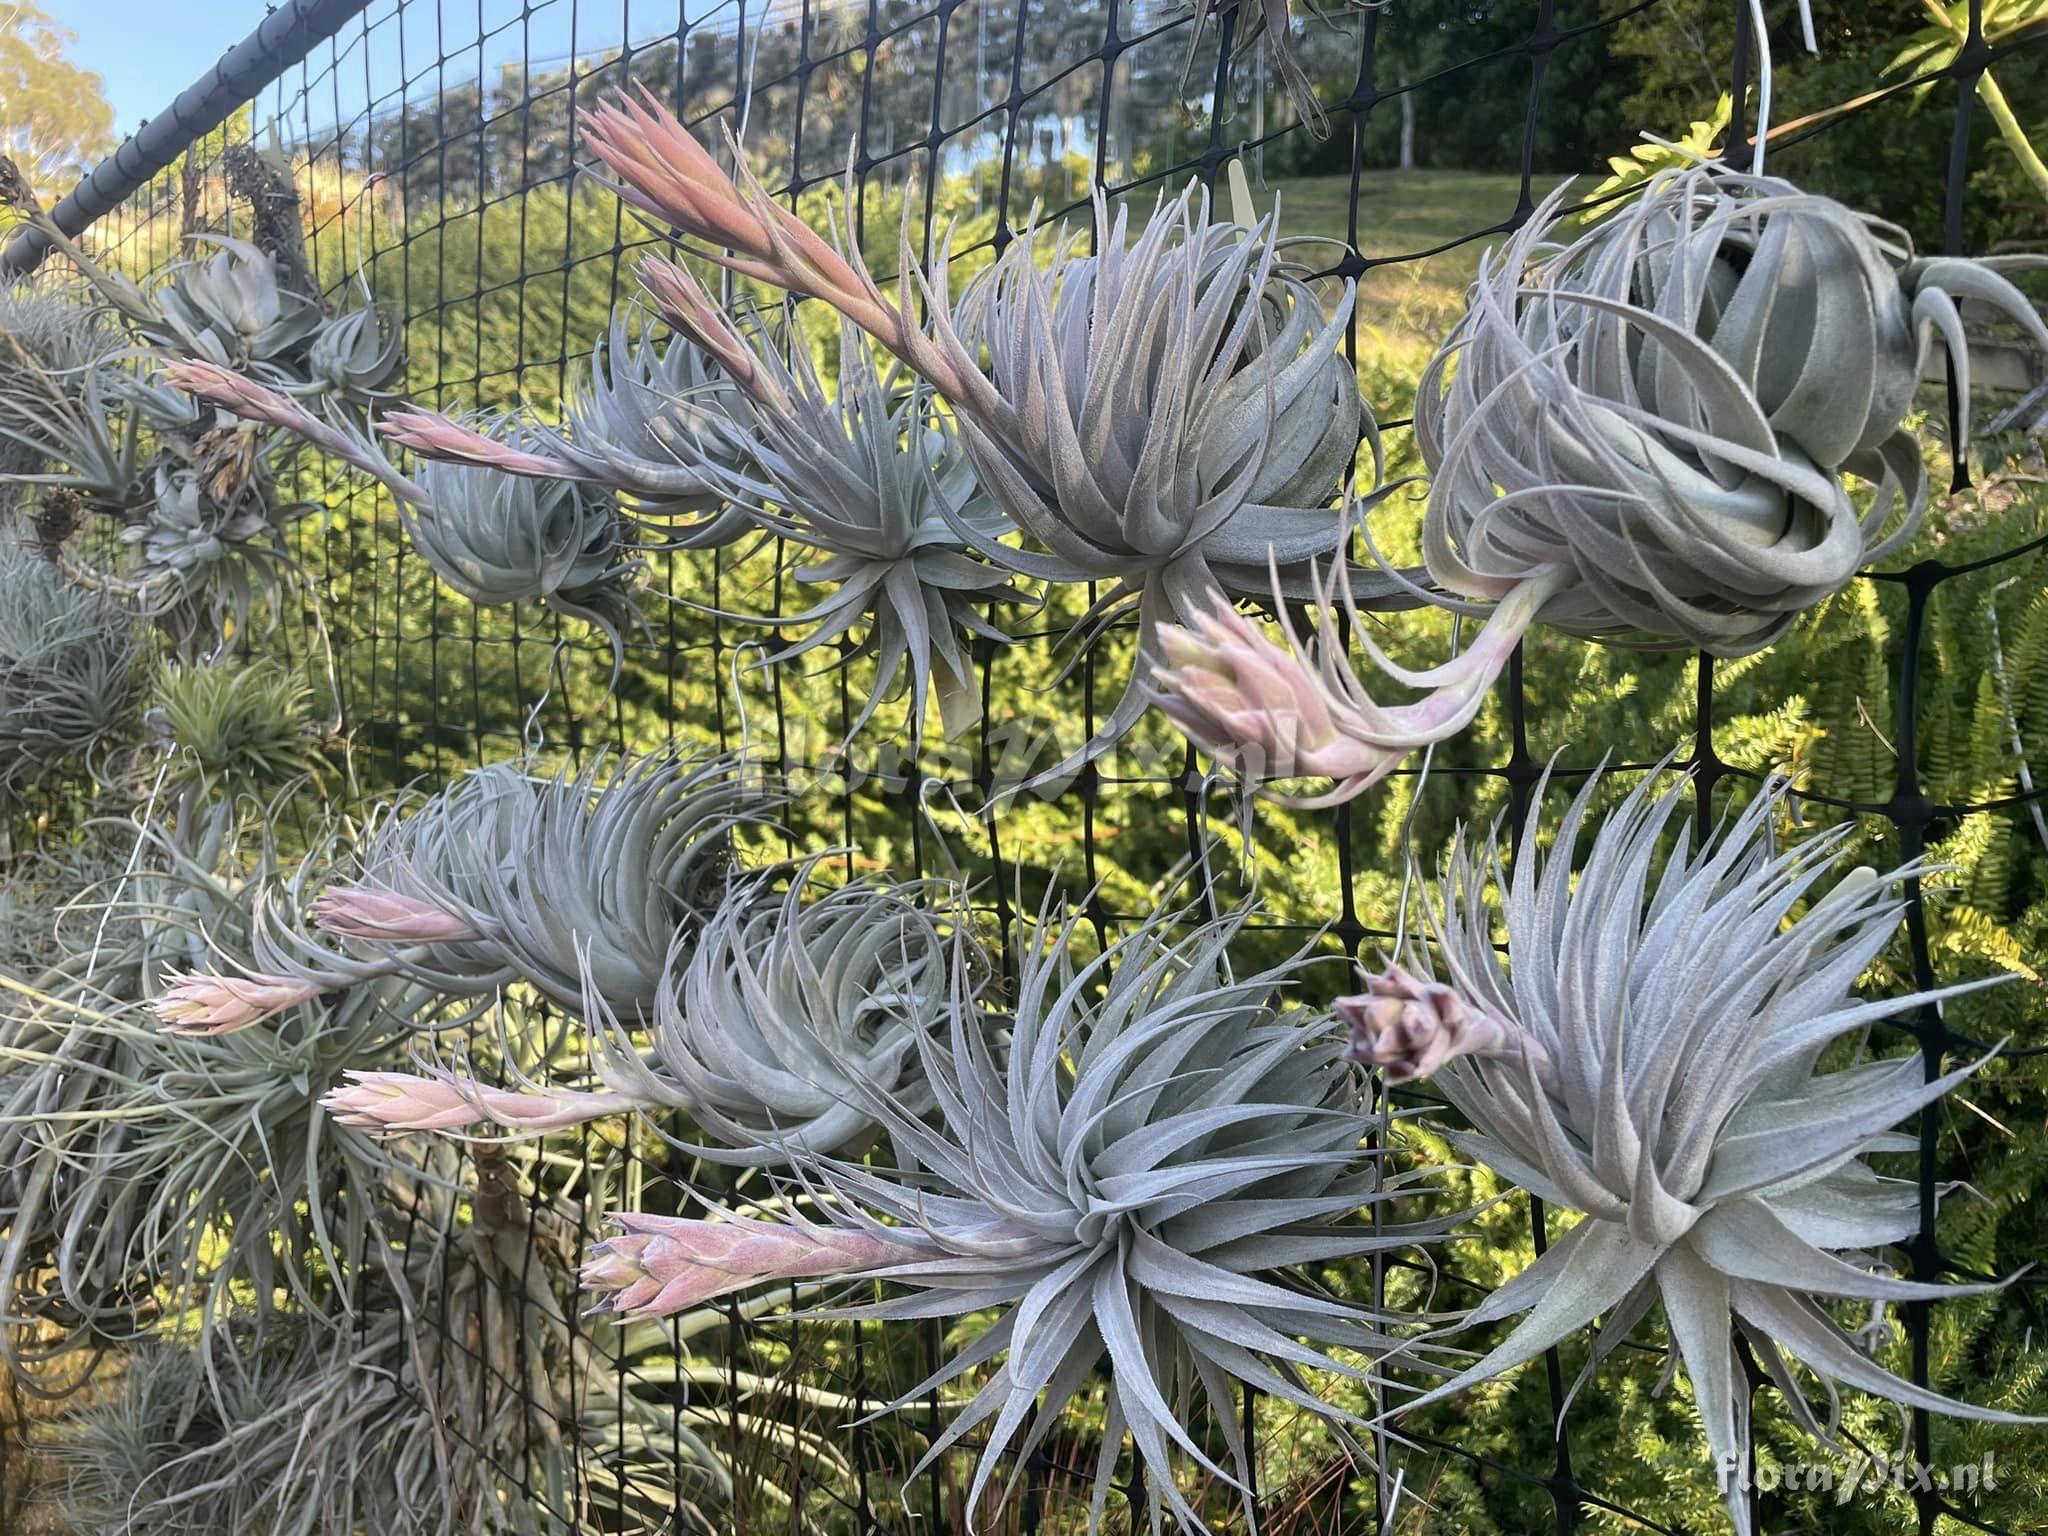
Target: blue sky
{"x":145,"y":62}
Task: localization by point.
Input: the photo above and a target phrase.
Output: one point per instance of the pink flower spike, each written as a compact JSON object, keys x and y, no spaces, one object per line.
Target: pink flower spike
{"x":684,"y":304}
{"x":386,"y":917}
{"x":1411,"y":1029}
{"x":244,"y":397}
{"x":1258,"y":706}
{"x":239,"y":395}
{"x":391,"y":1102}
{"x":663,"y":1264}
{"x":193,"y":1003}
{"x":664,"y":172}
{"x":433,"y":436}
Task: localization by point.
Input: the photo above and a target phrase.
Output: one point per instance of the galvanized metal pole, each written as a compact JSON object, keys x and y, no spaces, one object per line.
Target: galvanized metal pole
{"x":284,"y":37}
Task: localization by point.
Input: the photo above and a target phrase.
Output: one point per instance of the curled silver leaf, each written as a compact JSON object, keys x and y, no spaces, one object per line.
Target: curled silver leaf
{"x":498,"y":537}
{"x":587,"y":879}
{"x":1664,"y":407}
{"x":230,"y":308}
{"x":1672,"y":1092}
{"x":657,"y":423}
{"x":356,"y":353}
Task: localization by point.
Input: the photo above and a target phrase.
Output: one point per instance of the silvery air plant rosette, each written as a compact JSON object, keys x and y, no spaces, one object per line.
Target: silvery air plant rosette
{"x":874,"y":492}
{"x":578,"y":885}
{"x":1129,"y":1184}
{"x":1648,"y":1053}
{"x":1643,"y":434}
{"x":1168,"y":417}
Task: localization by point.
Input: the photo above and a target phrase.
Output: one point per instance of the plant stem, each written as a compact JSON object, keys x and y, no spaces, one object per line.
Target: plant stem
{"x":2014,"y":135}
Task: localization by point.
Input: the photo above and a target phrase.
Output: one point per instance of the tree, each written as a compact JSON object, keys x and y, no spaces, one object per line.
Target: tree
{"x":54,"y":119}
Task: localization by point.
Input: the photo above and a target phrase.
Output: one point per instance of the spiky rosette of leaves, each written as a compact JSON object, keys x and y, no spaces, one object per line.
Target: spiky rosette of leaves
{"x":500,"y":538}
{"x":1679,"y":1093}
{"x":144,"y":1165}
{"x":872,"y":487}
{"x":656,"y":422}
{"x":51,"y":340}
{"x":235,"y":728}
{"x":1135,"y":1178}
{"x":785,"y":1008}
{"x":1664,"y":408}
{"x":576,"y":883}
{"x":1170,"y":415}
{"x":230,"y":308}
{"x":70,"y":666}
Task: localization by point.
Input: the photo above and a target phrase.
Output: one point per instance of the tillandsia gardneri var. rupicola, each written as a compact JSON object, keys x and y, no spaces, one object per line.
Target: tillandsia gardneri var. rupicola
{"x":789,"y":1007}
{"x":1167,"y":416}
{"x":875,"y":491}
{"x":1640,"y":434}
{"x":1648,"y":1052}
{"x":1131,"y":1176}
{"x":571,"y":883}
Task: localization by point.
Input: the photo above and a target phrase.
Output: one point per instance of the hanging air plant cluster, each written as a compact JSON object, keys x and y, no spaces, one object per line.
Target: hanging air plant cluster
{"x":95,"y":439}
{"x":278,"y":1107}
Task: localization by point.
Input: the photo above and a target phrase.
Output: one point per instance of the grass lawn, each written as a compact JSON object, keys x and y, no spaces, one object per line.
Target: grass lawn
{"x":1406,"y":308}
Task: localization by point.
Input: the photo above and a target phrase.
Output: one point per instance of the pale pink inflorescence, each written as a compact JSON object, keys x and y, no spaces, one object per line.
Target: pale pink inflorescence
{"x":663,"y":1264}
{"x":665,"y":173}
{"x":241,"y":396}
{"x":1411,"y":1028}
{"x":393,"y":1102}
{"x":1273,"y":712}
{"x":1256,"y":706}
{"x":387,"y":917}
{"x":434,"y":436}
{"x":194,"y":1003}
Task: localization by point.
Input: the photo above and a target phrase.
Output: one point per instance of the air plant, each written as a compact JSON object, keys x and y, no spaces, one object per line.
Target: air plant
{"x":873,"y":488}
{"x":1655,"y":1065}
{"x":230,"y":308}
{"x":1167,"y":416}
{"x":205,"y":544}
{"x":1645,"y":440}
{"x":500,"y":538}
{"x":70,"y":666}
{"x":1162,"y":1142}
{"x":491,"y":513}
{"x":577,"y":884}
{"x":145,"y":1163}
{"x":356,"y":353}
{"x":51,"y":341}
{"x":784,"y":1010}
{"x":657,"y":423}
{"x":235,"y":728}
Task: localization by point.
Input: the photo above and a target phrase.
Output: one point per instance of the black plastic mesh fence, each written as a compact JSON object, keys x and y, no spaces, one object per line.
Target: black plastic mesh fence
{"x":441,"y":137}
